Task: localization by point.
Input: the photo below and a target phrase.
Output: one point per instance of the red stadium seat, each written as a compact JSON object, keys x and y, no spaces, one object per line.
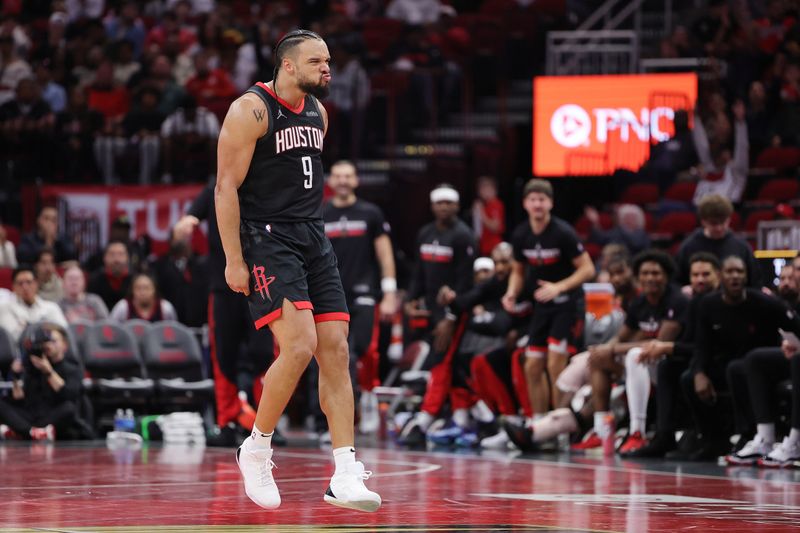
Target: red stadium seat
{"x":380,"y":33}
{"x":5,"y":278}
{"x":12,"y":234}
{"x":583,"y":226}
{"x":677,"y":223}
{"x":752,"y":220}
{"x":594,"y":249}
{"x":681,"y":191}
{"x":640,"y":194}
{"x":779,"y":158}
{"x":736,"y":221}
{"x":779,"y":190}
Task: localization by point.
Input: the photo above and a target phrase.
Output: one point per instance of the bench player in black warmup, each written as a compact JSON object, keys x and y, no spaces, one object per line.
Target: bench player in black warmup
{"x":549,"y":257}
{"x":268,"y":201}
{"x":360,"y":237}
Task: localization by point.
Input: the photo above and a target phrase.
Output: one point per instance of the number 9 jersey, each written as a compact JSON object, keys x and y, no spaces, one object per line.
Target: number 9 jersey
{"x":285,"y":180}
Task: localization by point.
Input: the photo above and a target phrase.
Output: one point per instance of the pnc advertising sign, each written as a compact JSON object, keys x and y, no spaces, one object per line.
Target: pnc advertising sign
{"x":597,"y":124}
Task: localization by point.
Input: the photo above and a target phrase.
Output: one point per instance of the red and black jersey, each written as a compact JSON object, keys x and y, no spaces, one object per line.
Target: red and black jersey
{"x":648,"y":318}
{"x":285,"y":180}
{"x":352,"y":230}
{"x":547,"y":256}
{"x":444,"y":257}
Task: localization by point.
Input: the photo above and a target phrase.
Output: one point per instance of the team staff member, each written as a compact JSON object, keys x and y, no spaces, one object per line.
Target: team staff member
{"x":731,"y":322}
{"x":549,"y":257}
{"x":231,"y":331}
{"x":359,"y":234}
{"x":445,"y":254}
{"x":268,"y":202}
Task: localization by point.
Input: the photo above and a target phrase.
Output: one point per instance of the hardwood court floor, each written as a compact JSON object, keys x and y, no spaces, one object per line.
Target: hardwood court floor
{"x":65,"y":488}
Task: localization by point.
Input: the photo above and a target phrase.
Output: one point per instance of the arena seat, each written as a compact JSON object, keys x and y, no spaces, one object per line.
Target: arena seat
{"x":114,"y":364}
{"x":640,"y":194}
{"x":681,"y":191}
{"x":139,"y":328}
{"x":6,"y":275}
{"x":752,"y":220}
{"x":779,"y":190}
{"x":174,"y":360}
{"x":675,"y":224}
{"x":12,"y":234}
{"x":778,"y":158}
{"x":78,"y":329}
{"x":8,"y":352}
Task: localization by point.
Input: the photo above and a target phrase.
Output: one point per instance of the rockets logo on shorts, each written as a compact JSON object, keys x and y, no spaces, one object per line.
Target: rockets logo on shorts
{"x":262,"y":282}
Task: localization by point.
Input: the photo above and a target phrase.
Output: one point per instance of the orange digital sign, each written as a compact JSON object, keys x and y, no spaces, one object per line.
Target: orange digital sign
{"x":592,"y":125}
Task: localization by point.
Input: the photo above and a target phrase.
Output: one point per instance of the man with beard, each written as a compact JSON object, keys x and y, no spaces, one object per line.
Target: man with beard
{"x":730,"y":323}
{"x":268,"y":203}
{"x":360,"y":237}
{"x":788,"y":291}
{"x":662,"y":363}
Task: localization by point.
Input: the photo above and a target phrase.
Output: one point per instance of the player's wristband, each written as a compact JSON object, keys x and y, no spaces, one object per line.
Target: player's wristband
{"x":389,"y":285}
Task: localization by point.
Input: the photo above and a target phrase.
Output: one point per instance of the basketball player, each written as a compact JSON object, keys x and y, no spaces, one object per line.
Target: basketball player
{"x":360,"y":238}
{"x":548,"y":256}
{"x":268,"y":202}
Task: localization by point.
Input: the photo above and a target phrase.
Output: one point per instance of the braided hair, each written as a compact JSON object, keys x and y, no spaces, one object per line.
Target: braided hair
{"x":289,"y":41}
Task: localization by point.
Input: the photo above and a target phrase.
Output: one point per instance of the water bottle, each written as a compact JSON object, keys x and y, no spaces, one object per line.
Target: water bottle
{"x":130,"y":421}
{"x":119,"y":420}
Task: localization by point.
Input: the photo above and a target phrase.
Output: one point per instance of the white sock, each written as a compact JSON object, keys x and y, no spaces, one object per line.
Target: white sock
{"x":766,"y":432}
{"x":461,"y":417}
{"x":794,"y":436}
{"x":637,"y":387}
{"x":343,"y":457}
{"x":424,"y":420}
{"x":599,"y":422}
{"x":259,"y":439}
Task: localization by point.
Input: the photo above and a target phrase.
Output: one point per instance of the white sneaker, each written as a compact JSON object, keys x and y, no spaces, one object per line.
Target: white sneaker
{"x":498,"y":441}
{"x":256,"y":466}
{"x":347,"y":489}
{"x":783,"y":455}
{"x":370,"y":419}
{"x":750,"y":452}
{"x":325,"y":438}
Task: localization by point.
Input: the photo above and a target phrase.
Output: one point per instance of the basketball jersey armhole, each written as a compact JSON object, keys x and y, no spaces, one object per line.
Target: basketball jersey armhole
{"x":261,"y":93}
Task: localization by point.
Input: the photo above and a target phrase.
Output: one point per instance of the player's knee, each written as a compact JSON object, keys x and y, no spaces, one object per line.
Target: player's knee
{"x":301,"y":350}
{"x":632,"y":357}
{"x":534,"y":367}
{"x":334,"y":355}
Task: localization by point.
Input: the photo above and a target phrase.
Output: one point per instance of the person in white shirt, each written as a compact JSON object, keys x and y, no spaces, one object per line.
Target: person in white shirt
{"x":8,"y":253}
{"x":143,"y":303}
{"x":27,"y":307}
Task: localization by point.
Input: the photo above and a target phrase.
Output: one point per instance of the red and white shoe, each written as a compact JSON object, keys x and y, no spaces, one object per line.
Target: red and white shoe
{"x":590,"y":442}
{"x":47,"y":433}
{"x":634,"y":442}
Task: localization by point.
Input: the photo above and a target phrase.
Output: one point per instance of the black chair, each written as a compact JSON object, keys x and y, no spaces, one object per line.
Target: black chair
{"x":140,"y":328}
{"x":174,"y":360}
{"x":8,"y":352}
{"x":77,"y":330}
{"x":114,"y":365}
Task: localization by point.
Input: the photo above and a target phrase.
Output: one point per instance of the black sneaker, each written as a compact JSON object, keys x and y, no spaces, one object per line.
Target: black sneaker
{"x":688,"y":444}
{"x":224,"y":437}
{"x":412,"y":435}
{"x":711,"y":450}
{"x":520,"y":434}
{"x":658,"y":447}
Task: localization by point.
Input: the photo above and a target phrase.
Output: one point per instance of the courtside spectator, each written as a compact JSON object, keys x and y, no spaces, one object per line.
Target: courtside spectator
{"x":8,"y":255}
{"x":488,"y":215}
{"x":112,"y":281}
{"x":27,"y":307}
{"x":46,"y":389}
{"x":182,"y":279}
{"x":46,"y":235}
{"x":50,"y":285}
{"x":77,"y":304}
{"x":715,"y":236}
{"x":143,"y":303}
{"x":138,"y":248}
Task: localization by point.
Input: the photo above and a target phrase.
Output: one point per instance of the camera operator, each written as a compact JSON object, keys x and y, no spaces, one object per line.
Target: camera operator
{"x":46,"y":389}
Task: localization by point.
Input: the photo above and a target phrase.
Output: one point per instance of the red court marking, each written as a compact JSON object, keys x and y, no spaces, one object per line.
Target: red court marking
{"x":70,"y":487}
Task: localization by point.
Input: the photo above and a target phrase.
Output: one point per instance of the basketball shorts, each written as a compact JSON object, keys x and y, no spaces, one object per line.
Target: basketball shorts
{"x":554,"y":327}
{"x":294,"y":261}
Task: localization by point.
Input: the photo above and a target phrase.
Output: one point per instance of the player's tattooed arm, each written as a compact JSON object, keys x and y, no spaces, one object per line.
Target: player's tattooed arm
{"x":259,"y":114}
